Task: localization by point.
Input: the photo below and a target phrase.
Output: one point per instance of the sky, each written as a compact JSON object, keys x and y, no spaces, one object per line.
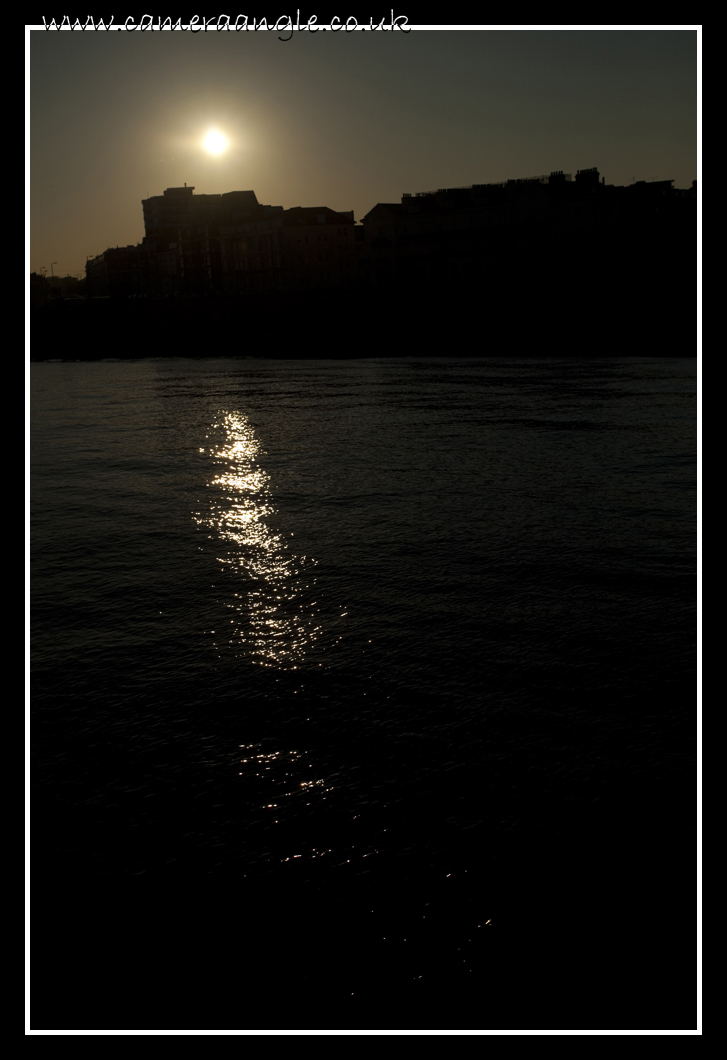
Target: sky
{"x":343,"y":121}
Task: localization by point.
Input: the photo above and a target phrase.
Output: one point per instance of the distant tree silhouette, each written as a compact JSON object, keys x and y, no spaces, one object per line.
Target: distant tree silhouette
{"x":39,"y":290}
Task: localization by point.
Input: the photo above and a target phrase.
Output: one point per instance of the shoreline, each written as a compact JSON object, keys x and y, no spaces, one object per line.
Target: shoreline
{"x":368,"y":357}
{"x":380,"y":324}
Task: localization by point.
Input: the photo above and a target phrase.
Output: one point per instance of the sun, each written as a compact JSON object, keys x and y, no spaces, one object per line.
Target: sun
{"x":215,"y":142}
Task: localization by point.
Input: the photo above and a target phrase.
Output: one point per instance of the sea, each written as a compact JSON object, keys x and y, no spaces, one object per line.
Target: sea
{"x":362,"y":694}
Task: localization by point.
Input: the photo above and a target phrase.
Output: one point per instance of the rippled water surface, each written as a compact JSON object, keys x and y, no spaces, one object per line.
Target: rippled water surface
{"x":364,"y":687}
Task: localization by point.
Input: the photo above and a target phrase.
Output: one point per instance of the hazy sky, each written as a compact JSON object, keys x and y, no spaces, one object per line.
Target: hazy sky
{"x":339,"y":121}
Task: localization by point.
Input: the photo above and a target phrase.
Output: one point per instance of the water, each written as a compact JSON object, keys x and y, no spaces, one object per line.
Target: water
{"x":363,"y":691}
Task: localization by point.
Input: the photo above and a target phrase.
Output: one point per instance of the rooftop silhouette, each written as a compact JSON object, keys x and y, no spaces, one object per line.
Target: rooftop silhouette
{"x":200,"y":245}
{"x":524,"y":260}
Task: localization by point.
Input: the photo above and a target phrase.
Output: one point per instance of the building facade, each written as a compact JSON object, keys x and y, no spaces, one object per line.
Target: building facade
{"x":304,"y":248}
{"x":528,"y":231}
{"x":520,"y":227}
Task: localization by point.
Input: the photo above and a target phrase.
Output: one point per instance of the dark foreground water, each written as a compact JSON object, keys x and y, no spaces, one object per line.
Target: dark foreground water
{"x":363,"y":694}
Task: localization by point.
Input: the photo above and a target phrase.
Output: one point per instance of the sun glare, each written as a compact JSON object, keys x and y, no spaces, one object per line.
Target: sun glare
{"x":215,"y":143}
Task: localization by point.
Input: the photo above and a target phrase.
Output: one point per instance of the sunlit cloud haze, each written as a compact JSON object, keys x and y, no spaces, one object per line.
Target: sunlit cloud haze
{"x":339,"y":121}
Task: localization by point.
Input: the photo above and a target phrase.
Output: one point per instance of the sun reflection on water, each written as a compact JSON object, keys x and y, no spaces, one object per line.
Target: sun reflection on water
{"x":272,"y":619}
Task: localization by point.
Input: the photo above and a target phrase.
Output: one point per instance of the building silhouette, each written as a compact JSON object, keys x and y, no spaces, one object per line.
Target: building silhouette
{"x":201,"y":245}
{"x":544,"y":235}
{"x":304,"y":248}
{"x":471,"y":234}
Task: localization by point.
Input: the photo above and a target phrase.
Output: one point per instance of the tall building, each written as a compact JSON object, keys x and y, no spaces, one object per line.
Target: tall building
{"x":183,"y":237}
{"x":201,"y":245}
